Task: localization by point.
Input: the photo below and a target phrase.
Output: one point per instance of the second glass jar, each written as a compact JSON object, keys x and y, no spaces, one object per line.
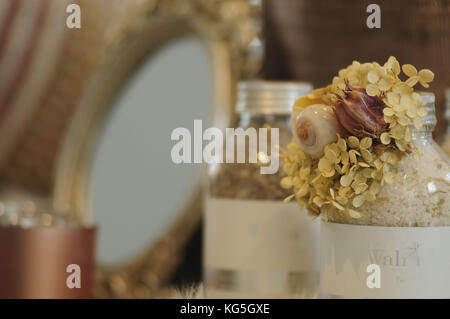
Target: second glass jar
{"x":256,"y":246}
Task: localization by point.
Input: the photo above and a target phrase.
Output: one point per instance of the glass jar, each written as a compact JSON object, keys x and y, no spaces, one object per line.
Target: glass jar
{"x":255,"y":245}
{"x":446,"y":140}
{"x":43,"y":250}
{"x":403,"y":234}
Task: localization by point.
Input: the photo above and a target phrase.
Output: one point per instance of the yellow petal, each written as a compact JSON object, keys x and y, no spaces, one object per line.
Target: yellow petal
{"x":342,"y":200}
{"x":409,"y":70}
{"x":398,"y":108}
{"x":330,"y":173}
{"x":396,"y":68}
{"x":402,"y":88}
{"x":408,"y":136}
{"x":366,"y":155}
{"x":385,"y":84}
{"x":346,"y":180}
{"x":397,"y":132}
{"x":286,"y":182}
{"x":388,"y":111}
{"x":373,"y":77}
{"x":424,"y":84}
{"x":393,"y":98}
{"x":422,"y":112}
{"x":412,"y":81}
{"x":375,"y":187}
{"x":352,"y":156}
{"x":389,"y":178}
{"x":338,"y":206}
{"x":385,"y":138}
{"x":366,"y":142}
{"x":303,"y":190}
{"x":378,"y":164}
{"x":362,"y":164}
{"x":403,"y":121}
{"x":426,"y":75}
{"x":318,"y":200}
{"x":305,"y":172}
{"x":354,"y":214}
{"x":400,"y":145}
{"x":342,"y":144}
{"x":353,"y":142}
{"x":418,"y":123}
{"x":331,"y":156}
{"x":358,"y":201}
{"x":412,"y":112}
{"x":324,"y":165}
{"x":287,"y":199}
{"x":360,"y":188}
{"x":390,"y":62}
{"x":406,"y":100}
{"x":372,"y":89}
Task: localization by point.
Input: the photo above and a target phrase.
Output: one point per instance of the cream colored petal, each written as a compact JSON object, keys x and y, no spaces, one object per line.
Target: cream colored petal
{"x":388,"y":111}
{"x":393,"y":98}
{"x":342,"y":144}
{"x":385,"y":84}
{"x":396,"y":68}
{"x":418,"y":123}
{"x":372,"y":90}
{"x":424,"y":84}
{"x":373,"y":77}
{"x":354,"y":214}
{"x":358,"y":201}
{"x":412,"y":81}
{"x":422,"y":112}
{"x":409,"y":70}
{"x":412,"y":112}
{"x":353,"y":142}
{"x":330,"y":173}
{"x":366,"y":142}
{"x":366,"y":155}
{"x":426,"y":75}
{"x":385,"y":138}
{"x":400,"y":145}
{"x":303,"y":191}
{"x":286,"y":182}
{"x":406,"y":100}
{"x":403,"y":121}
{"x":346,"y":180}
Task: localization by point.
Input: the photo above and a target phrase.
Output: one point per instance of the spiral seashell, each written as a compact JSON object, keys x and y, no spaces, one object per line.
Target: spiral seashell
{"x":314,"y":127}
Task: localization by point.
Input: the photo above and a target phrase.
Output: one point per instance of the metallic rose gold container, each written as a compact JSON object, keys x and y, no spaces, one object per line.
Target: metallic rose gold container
{"x":33,"y":261}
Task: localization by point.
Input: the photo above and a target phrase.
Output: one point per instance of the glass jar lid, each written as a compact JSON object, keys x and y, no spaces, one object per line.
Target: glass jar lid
{"x":269,"y":97}
{"x":429,"y":99}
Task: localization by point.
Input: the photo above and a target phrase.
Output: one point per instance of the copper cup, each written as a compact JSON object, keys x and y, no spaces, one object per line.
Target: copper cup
{"x":35,"y":262}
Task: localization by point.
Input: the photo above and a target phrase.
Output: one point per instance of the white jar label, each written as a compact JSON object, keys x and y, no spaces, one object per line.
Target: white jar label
{"x":259,"y":245}
{"x":384,"y":262}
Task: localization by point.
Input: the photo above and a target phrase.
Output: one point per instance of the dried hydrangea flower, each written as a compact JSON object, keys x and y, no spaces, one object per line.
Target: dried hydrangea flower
{"x":377,"y":109}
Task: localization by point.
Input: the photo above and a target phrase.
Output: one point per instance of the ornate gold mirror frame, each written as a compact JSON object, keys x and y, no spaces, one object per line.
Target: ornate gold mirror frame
{"x":228,"y":28}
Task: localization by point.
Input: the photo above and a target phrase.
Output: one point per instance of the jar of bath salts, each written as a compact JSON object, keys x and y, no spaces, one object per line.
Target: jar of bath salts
{"x":256,"y":246}
{"x":398,"y":248}
{"x":446,"y":140}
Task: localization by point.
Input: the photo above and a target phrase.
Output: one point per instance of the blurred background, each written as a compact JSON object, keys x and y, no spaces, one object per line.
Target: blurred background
{"x":86,"y":113}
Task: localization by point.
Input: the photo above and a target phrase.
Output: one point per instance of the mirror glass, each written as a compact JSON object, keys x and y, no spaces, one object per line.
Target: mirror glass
{"x":132,"y":200}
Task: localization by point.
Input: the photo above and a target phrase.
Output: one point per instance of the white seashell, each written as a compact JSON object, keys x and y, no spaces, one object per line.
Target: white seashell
{"x":314,"y":127}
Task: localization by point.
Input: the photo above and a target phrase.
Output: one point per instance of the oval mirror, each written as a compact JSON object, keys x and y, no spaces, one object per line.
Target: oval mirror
{"x":131,"y":199}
